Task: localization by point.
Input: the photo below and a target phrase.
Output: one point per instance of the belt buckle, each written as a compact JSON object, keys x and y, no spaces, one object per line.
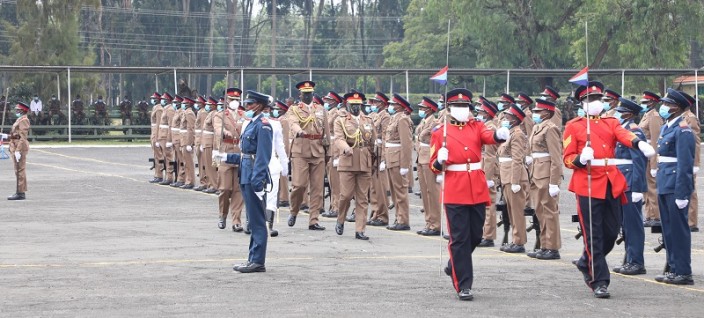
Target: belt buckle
{"x":468,"y":166}
{"x":606,"y":162}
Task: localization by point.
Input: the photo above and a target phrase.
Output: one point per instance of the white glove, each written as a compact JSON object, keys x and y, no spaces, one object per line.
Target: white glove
{"x":653,"y":172}
{"x":260,"y":195}
{"x":490,"y":183}
{"x":215,"y":154}
{"x":695,"y":169}
{"x":681,"y":204}
{"x":189,"y":148}
{"x":157,"y":144}
{"x":636,"y":197}
{"x":529,"y":160}
{"x":3,"y":136}
{"x":382,"y":166}
{"x":553,"y":189}
{"x":503,"y":133}
{"x":646,"y":149}
{"x":284,"y":168}
{"x":443,"y":154}
{"x":378,"y":141}
{"x":438,"y":178}
{"x":587,"y":154}
{"x":169,"y":145}
{"x":403,"y":171}
{"x":515,"y":188}
{"x":201,"y":148}
{"x":18,"y":156}
{"x":222,"y":156}
{"x":335,"y":162}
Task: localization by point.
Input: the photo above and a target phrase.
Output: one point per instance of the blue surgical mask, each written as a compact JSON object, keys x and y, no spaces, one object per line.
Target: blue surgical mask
{"x":196,"y":106}
{"x":480,"y":118}
{"x":618,"y":115}
{"x":275,"y":113}
{"x":664,"y":111}
{"x":501,"y":106}
{"x":607,"y":106}
{"x":249,"y":114}
{"x":219,"y":108}
{"x":580,"y":112}
{"x":644,"y":108}
{"x":368,"y":109}
{"x":536,"y":118}
{"x":163,"y":102}
{"x":506,"y":124}
{"x":175,"y":106}
{"x":153,"y":101}
{"x":374,"y":108}
{"x":18,"y":114}
{"x":421,"y":113}
{"x":441,"y":105}
{"x":327,"y":106}
{"x":391,"y":110}
{"x":183,"y":105}
{"x":207,"y":108}
{"x":266,"y":115}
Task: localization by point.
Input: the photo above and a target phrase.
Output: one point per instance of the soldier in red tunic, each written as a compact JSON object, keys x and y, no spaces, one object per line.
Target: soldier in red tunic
{"x":465,"y":192}
{"x":589,"y":151}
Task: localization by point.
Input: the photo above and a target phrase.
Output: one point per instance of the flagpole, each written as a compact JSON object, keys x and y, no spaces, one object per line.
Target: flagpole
{"x":586,"y":42}
{"x":444,"y":143}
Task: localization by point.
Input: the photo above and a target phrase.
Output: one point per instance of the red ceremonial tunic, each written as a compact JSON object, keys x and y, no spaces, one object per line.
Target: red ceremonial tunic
{"x":605,"y":132}
{"x":464,"y":145}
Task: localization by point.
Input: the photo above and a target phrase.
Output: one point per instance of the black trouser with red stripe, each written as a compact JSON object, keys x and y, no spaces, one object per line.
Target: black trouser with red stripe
{"x":603,"y":230}
{"x":466,"y":225}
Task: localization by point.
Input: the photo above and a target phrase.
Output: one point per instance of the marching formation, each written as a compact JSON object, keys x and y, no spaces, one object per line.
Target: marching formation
{"x":477,"y":157}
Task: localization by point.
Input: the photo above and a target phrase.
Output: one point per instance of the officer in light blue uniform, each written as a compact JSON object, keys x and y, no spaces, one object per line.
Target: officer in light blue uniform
{"x":633,"y":167}
{"x":675,"y":183}
{"x":255,"y":143}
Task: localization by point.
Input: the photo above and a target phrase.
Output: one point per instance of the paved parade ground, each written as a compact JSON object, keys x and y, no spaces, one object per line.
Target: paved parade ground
{"x":95,"y":239}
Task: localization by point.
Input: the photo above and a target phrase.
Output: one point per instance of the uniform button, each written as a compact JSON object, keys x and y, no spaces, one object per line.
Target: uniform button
{"x":465,"y":148}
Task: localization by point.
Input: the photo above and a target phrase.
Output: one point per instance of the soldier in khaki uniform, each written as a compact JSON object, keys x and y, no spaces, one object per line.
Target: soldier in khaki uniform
{"x":201,"y":114}
{"x":175,"y":126}
{"x":398,"y":149}
{"x":188,"y":136}
{"x":610,"y":101}
{"x":524,"y":102}
{"x":332,"y":100}
{"x":354,"y":138}
{"x":227,"y":125}
{"x":157,"y":148}
{"x":164,"y":138}
{"x":19,"y":147}
{"x":380,"y":179}
{"x":552,"y":95}
{"x":309,"y":127}
{"x":545,"y":151}
{"x":693,"y":121}
{"x":651,"y":123}
{"x":429,"y":188}
{"x":490,"y":164}
{"x":514,"y":176}
{"x":207,"y":140}
{"x":280,"y":112}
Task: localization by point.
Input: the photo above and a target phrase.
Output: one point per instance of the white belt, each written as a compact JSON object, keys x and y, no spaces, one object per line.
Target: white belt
{"x":610,"y":162}
{"x":208,"y":132}
{"x":392,"y":145}
{"x":663,"y":159}
{"x":163,"y":126}
{"x":537,"y":155}
{"x":465,"y":167}
{"x":422,"y":144}
{"x":504,"y":159}
{"x":175,"y":129}
{"x":198,"y":131}
{"x":153,"y":125}
{"x":183,"y":130}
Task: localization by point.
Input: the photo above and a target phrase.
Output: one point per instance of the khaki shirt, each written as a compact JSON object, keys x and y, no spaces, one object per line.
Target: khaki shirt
{"x":175,"y":127}
{"x":490,"y":164}
{"x":19,"y":135}
{"x":359,"y":135}
{"x":513,"y":171}
{"x":693,"y":122}
{"x":188,"y":127}
{"x":165,"y":125}
{"x":200,"y":121}
{"x":155,"y":119}
{"x":651,"y":123}
{"x":528,"y":123}
{"x":228,"y":128}
{"x":398,"y":143}
{"x":546,"y":138}
{"x":312,"y":121}
{"x":208,"y":135}
{"x":427,"y":125}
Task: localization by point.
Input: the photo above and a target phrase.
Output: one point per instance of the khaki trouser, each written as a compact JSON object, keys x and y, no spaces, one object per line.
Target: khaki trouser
{"x":202,"y":176}
{"x":283,"y":189}
{"x":168,"y":157}
{"x":189,"y":167}
{"x":354,"y":185}
{"x":230,"y":199}
{"x":548,"y":214}
{"x":178,"y":151}
{"x":399,"y":191}
{"x":20,"y":173}
{"x":307,"y":172}
{"x":158,"y":156}
{"x":693,"y":215}
{"x":516,"y":203}
{"x":490,"y":218}
{"x":211,"y":172}
{"x":430,"y":193}
{"x":334,"y":180}
{"x":652,"y":211}
{"x":378,"y":198}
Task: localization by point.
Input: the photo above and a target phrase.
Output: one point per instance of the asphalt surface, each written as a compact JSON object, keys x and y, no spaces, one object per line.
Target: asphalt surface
{"x":94,"y":238}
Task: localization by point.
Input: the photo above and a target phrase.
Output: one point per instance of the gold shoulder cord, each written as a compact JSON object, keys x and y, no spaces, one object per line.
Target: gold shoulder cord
{"x":304,"y":121}
{"x":357,"y":136}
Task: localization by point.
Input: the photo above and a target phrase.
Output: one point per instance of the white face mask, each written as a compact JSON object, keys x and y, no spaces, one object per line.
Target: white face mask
{"x":593,"y":108}
{"x":460,"y":113}
{"x":233,"y":105}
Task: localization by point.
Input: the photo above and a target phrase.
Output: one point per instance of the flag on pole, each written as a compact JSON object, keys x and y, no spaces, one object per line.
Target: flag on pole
{"x":581,"y":78}
{"x":441,"y":76}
